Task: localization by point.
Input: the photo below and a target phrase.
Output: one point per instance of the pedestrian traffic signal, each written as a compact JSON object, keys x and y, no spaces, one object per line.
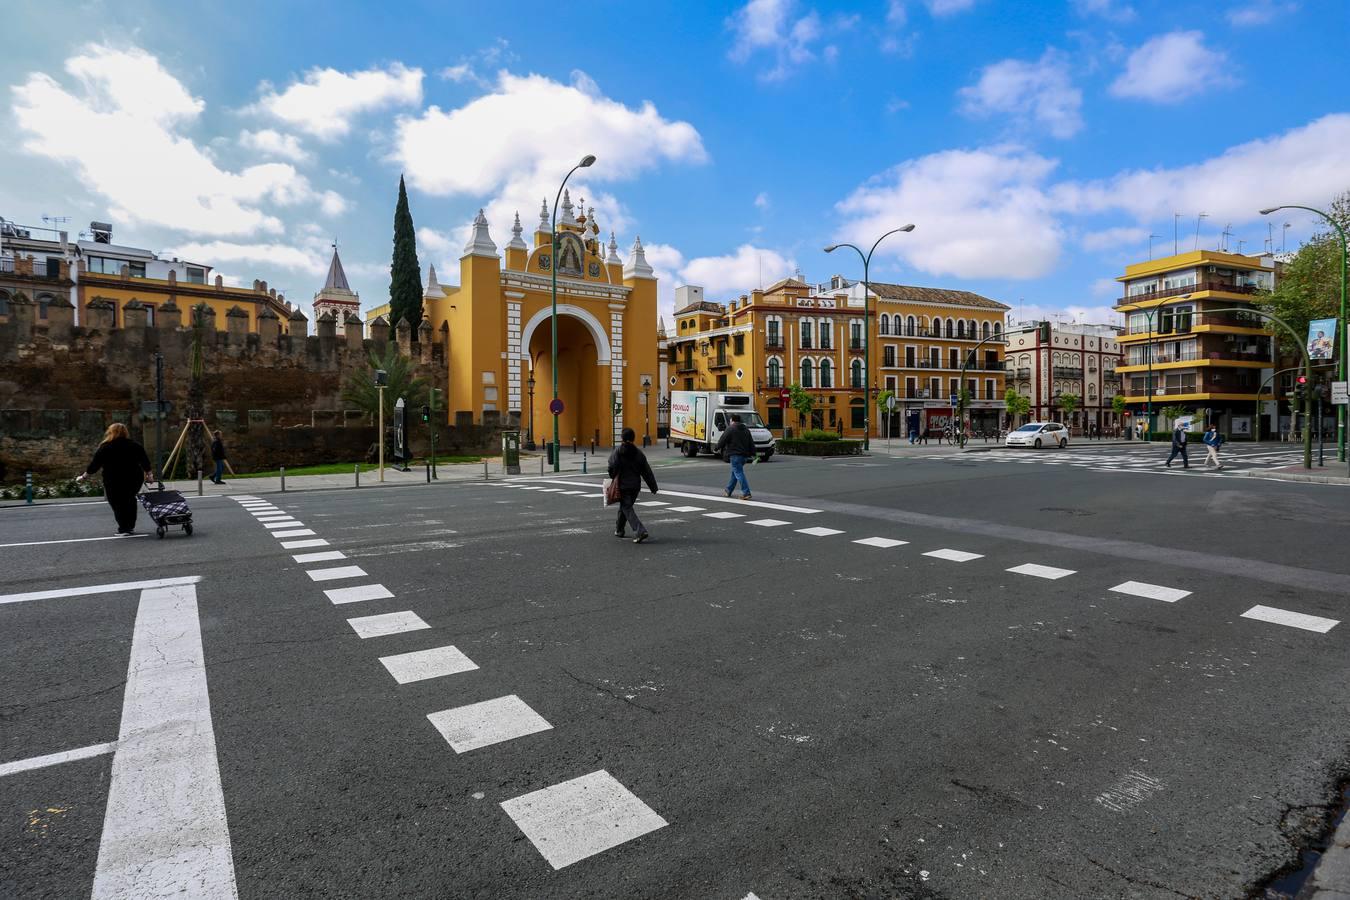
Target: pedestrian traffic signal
{"x":426,"y":413}
{"x":1300,"y":386}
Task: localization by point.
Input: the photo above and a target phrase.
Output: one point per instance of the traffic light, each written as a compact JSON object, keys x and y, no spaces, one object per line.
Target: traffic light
{"x":426,"y":413}
{"x":1300,"y":387}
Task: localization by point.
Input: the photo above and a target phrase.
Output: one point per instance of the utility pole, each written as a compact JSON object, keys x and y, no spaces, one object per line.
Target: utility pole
{"x":159,"y":416}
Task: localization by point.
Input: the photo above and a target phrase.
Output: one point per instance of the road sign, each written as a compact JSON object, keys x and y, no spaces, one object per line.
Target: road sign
{"x":784,"y":397}
{"x":555,"y":406}
{"x":1339,"y":393}
{"x":953,"y":401}
{"x":890,"y":402}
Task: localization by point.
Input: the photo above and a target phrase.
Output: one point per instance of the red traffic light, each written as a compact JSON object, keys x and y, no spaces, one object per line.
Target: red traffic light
{"x":1303,"y":379}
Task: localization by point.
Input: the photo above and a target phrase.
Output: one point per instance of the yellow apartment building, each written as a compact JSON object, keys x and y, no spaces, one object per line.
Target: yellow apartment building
{"x":1188,"y":338}
{"x":794,"y":332}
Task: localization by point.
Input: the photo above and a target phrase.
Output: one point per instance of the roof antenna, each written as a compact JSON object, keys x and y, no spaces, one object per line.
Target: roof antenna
{"x":1151,"y":239}
{"x":1198,"y":219}
{"x":1176,"y":217}
{"x":1224,"y":236}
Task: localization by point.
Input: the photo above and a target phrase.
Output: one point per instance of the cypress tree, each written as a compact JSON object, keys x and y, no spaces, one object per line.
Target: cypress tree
{"x":405,"y":273}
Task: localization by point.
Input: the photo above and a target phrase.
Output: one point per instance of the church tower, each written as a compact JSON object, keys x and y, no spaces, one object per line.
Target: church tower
{"x":337,"y":295}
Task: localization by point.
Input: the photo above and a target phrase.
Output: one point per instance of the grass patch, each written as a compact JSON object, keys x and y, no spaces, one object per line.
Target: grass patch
{"x":346,"y":468}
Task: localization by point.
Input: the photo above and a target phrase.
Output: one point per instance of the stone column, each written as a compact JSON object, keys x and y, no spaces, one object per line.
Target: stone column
{"x":298,"y":325}
{"x":168,"y":317}
{"x":403,"y":334}
{"x":424,"y":340}
{"x":269,"y":327}
{"x":98,"y":314}
{"x":134,"y":315}
{"x":326,"y":326}
{"x":60,"y":319}
{"x":352,"y":327}
{"x":379,"y":333}
{"x":236,"y":323}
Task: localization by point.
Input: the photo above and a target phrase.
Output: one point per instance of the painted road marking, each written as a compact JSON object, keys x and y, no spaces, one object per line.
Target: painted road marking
{"x":287,"y":522}
{"x":297,"y":545}
{"x":358,"y":594}
{"x":1151,"y":591}
{"x":551,"y":490}
{"x":387,"y":623}
{"x":570,"y":821}
{"x":299,"y":532}
{"x":684,"y":509}
{"x":110,"y":537}
{"x":52,"y":759}
{"x":336,"y":572}
{"x":477,"y":725}
{"x":953,"y":555}
{"x":724,"y":515}
{"x":576,"y":493}
{"x":652,"y":503}
{"x":164,"y":829}
{"x":759,"y":504}
{"x":1292,"y":619}
{"x":100,"y":589}
{"x":819,"y":531}
{"x":767,"y":523}
{"x":1040,"y":571}
{"x":322,"y":556}
{"x":423,"y":664}
{"x":880,"y":542}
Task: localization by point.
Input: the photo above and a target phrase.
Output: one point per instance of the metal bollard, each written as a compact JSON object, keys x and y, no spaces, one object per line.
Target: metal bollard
{"x":283,"y":479}
{"x":199,"y":481}
{"x":356,"y":472}
{"x":583,"y":463}
{"x":541,"y":465}
{"x":485,"y":471}
{"x":428,"y":471}
{"x":28,"y":487}
{"x":574,"y":445}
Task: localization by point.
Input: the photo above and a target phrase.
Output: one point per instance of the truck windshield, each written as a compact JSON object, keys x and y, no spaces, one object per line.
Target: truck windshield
{"x":749,"y":419}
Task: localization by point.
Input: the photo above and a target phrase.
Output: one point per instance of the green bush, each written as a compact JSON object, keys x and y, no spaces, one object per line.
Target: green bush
{"x":832,"y":447}
{"x":818,"y":434}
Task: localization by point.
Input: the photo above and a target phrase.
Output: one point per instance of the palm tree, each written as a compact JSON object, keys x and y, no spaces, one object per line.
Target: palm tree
{"x":360,"y":390}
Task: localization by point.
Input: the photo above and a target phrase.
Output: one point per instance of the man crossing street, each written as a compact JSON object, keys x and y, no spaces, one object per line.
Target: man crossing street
{"x":740,"y":446}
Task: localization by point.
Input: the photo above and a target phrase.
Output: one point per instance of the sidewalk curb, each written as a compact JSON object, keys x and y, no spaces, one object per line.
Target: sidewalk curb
{"x":1311,"y":478}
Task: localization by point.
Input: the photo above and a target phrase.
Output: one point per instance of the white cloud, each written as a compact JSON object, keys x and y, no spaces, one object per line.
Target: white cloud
{"x":896,"y":13}
{"x":949,"y":7}
{"x":1259,"y":12}
{"x":133,"y":153}
{"x":530,"y":131}
{"x":1127,"y":238}
{"x":269,"y":254}
{"x":739,"y":272}
{"x":1303,"y":165}
{"x":1172,"y":67}
{"x":981,"y":213}
{"x":271,"y":142}
{"x":762,"y":200}
{"x":1076,"y":313}
{"x":774,"y":26}
{"x":459,"y":73}
{"x":436,"y":243}
{"x":1106,"y":287}
{"x":895,"y":105}
{"x":326,"y":101}
{"x":1111,"y":10}
{"x":1041,"y":91}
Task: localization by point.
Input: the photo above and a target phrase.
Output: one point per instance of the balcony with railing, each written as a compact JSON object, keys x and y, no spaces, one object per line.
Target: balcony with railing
{"x":1224,"y":286}
{"x":855,"y":345}
{"x":720,"y":361}
{"x":686,"y":365}
{"x":1023,"y":374}
{"x":941,"y":334}
{"x":773,"y":342}
{"x":805,"y":343}
{"x":1070,"y":372}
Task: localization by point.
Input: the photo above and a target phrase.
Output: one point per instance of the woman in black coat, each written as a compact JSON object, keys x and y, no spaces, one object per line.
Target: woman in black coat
{"x":628,"y":465}
{"x":125,"y":468}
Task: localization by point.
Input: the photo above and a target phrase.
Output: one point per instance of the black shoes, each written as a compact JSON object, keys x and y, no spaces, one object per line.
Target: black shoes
{"x":641,"y":537}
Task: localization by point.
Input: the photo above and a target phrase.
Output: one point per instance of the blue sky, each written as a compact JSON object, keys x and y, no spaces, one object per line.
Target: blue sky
{"x":1036,"y":145}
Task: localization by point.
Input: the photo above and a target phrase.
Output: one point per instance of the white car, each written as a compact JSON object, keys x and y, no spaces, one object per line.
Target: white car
{"x":1038,"y":435}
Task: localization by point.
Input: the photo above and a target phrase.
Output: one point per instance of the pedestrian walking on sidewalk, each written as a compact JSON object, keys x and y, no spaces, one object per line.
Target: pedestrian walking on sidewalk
{"x":1178,"y":447}
{"x":629,"y":467}
{"x":1213,"y":441}
{"x":218,"y":456}
{"x":125,"y":468}
{"x":739,"y":446}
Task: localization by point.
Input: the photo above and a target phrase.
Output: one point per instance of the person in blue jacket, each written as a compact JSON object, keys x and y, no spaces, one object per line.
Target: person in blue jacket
{"x":1213,"y":441}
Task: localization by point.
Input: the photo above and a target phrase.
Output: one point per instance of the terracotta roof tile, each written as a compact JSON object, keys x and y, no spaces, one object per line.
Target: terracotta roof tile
{"x":933,"y":295}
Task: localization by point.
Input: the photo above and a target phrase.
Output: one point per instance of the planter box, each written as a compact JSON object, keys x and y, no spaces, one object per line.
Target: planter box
{"x":794,"y":447}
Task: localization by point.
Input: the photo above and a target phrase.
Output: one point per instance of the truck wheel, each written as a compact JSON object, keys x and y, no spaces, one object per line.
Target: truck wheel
{"x":690,"y":449}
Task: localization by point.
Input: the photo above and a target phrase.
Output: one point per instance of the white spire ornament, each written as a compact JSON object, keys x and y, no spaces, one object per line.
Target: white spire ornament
{"x":543,"y":217}
{"x":433,"y":288}
{"x":637,"y":262}
{"x":480,"y":242}
{"x":517,"y":243}
{"x":567,"y":217}
{"x":613,"y":250}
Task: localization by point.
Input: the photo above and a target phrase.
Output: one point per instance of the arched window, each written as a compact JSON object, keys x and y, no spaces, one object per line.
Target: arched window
{"x":984,"y":330}
{"x":970,"y":328}
{"x":885,"y":326}
{"x":951,"y":328}
{"x":808,"y":374}
{"x":775,"y":373}
{"x":825,"y":374}
{"x":856,"y":379}
{"x":998,"y":328}
{"x":961,"y":329}
{"x":909,"y":326}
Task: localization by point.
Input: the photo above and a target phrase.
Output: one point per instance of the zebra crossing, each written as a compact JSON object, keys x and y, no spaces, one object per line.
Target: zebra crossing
{"x":1147,"y":459}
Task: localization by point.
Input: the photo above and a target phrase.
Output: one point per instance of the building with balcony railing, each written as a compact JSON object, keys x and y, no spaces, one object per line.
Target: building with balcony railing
{"x":1053,"y":360}
{"x":1189,"y":338}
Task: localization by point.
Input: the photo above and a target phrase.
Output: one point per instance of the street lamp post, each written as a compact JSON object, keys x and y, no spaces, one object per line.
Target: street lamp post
{"x":529,"y":437}
{"x":1344,"y":324}
{"x":867,"y":324}
{"x":586,"y":162}
{"x":381,"y":382}
{"x":646,"y":411}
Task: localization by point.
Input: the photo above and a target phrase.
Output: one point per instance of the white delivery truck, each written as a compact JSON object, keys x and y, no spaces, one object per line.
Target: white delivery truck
{"x":698,"y":418}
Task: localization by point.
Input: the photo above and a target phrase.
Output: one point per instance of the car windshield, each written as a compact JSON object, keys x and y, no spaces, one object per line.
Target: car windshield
{"x":751,"y":419}
{"x":1030,"y":428}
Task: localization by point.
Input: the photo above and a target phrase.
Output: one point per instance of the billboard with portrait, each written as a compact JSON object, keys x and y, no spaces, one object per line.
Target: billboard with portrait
{"x":1322,"y":339}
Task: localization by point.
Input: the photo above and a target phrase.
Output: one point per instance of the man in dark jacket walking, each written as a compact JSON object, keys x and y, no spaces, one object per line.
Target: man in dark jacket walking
{"x":628,"y":465}
{"x":1178,"y":447}
{"x":218,"y":456}
{"x":739,"y":446}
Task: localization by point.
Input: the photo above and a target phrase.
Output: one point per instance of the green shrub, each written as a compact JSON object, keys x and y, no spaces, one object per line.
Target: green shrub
{"x":832,"y":447}
{"x":818,"y":434}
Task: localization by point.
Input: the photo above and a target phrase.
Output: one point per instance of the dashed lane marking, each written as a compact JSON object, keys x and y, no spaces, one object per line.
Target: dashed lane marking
{"x":1292,"y":619}
{"x":571,"y":821}
{"x":386,"y":624}
{"x":336,"y":572}
{"x":111,"y":537}
{"x":358,"y":594}
{"x":99,"y":589}
{"x":767,"y":523}
{"x":299,"y":532}
{"x":297,"y":545}
{"x":322,"y":556}
{"x":53,"y":759}
{"x":1151,"y":591}
{"x":818,"y":531}
{"x":953,"y":555}
{"x":420,"y":665}
{"x":652,"y":503}
{"x":685,"y":509}
{"x":287,"y":522}
{"x":706,"y":498}
{"x":490,"y":722}
{"x":1040,"y":571}
{"x":724,"y":515}
{"x":883,"y":543}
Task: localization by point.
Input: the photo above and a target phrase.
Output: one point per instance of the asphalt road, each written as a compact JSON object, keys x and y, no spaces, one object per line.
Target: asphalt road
{"x":736,"y":707}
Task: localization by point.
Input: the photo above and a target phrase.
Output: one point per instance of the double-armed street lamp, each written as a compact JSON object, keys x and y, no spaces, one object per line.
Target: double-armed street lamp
{"x":867,"y":323}
{"x":1342,"y":341}
{"x":586,"y":162}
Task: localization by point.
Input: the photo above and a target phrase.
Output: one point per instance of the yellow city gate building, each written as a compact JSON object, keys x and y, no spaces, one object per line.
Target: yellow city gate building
{"x":499,"y":337}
